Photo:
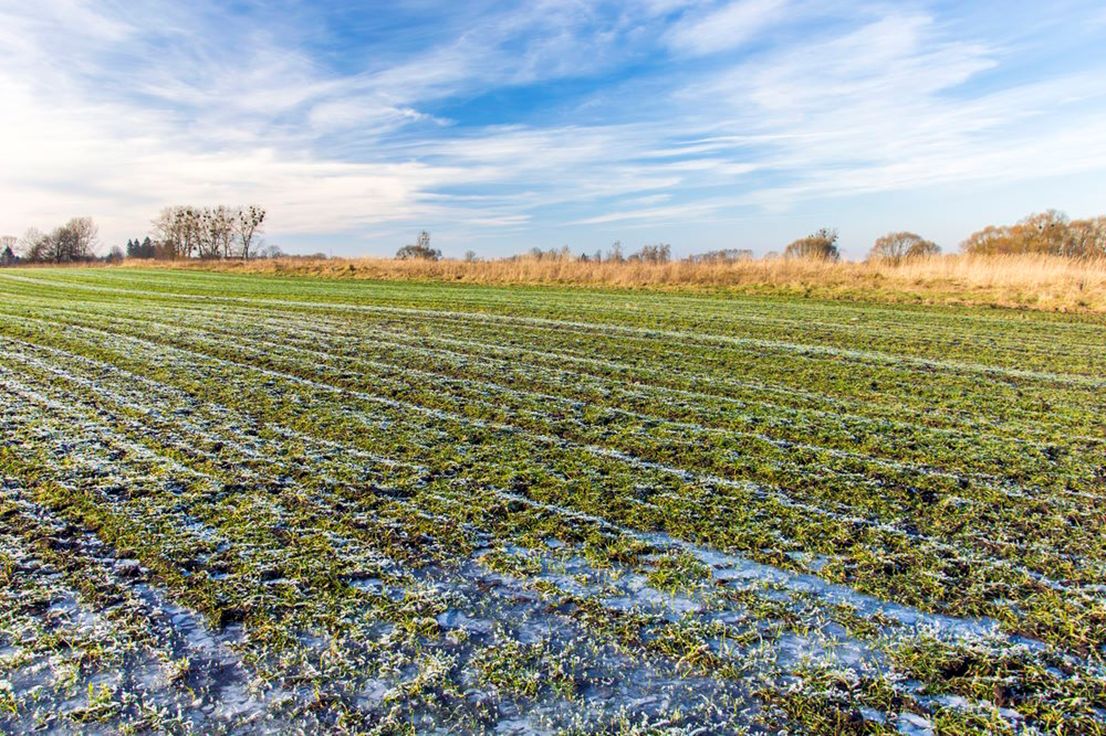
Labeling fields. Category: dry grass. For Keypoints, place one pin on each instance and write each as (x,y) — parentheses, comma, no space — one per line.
(1035,281)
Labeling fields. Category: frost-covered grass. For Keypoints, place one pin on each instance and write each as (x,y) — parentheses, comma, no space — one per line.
(246,504)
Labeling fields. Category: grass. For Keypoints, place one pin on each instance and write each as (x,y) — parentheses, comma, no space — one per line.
(393,507)
(1038,282)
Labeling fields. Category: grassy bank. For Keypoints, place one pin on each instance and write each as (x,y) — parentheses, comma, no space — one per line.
(1027,282)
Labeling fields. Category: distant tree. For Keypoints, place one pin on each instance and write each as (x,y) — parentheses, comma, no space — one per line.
(248,223)
(1088,237)
(470,256)
(8,256)
(659,253)
(221,222)
(902,246)
(1046,232)
(615,252)
(176,231)
(115,255)
(73,241)
(83,235)
(420,250)
(32,246)
(1049,232)
(207,232)
(821,245)
(726,255)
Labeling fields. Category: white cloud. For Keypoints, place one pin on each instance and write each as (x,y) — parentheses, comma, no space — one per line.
(883,107)
(725,28)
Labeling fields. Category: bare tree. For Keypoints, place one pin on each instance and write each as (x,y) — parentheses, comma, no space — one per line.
(420,250)
(901,246)
(73,241)
(208,232)
(32,245)
(188,227)
(821,245)
(169,229)
(248,223)
(1043,232)
(221,225)
(659,253)
(1088,237)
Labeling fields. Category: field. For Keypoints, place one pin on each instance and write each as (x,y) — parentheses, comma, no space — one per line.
(258,504)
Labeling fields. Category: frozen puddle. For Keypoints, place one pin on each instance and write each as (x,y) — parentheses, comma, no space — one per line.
(728,567)
(584,682)
(133,657)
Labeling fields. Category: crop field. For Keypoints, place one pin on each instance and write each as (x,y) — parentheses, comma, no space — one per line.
(254,504)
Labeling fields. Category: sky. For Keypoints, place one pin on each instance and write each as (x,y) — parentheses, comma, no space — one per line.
(502,126)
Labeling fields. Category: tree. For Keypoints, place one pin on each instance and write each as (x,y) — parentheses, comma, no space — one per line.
(725,255)
(1049,232)
(901,246)
(1088,237)
(73,241)
(659,253)
(420,250)
(221,221)
(32,245)
(470,256)
(248,224)
(170,226)
(8,256)
(1045,232)
(821,245)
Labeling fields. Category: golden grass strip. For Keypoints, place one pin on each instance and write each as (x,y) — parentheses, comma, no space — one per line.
(1020,281)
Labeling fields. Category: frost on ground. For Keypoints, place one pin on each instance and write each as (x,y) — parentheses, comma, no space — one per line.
(276,506)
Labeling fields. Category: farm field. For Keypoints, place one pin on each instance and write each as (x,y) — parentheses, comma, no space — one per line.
(254,504)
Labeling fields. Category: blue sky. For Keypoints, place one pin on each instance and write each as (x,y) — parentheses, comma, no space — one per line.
(503,126)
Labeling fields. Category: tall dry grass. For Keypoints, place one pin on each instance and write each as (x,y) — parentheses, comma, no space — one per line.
(1025,281)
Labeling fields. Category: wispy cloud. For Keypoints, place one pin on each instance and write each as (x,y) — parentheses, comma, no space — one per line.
(727,27)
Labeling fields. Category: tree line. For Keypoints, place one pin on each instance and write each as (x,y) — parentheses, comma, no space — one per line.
(179,232)
(207,232)
(75,241)
(185,232)
(1050,232)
